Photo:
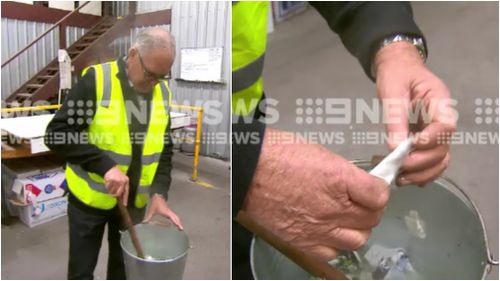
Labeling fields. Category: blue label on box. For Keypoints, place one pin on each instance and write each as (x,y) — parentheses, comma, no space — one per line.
(33,210)
(49,188)
(56,204)
(40,177)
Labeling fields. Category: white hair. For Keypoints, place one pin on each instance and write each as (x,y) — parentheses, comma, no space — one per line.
(154,38)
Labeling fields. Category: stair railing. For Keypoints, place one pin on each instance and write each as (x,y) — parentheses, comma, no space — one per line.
(62,34)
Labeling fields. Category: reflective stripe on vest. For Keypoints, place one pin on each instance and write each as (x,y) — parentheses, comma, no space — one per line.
(79,171)
(248,51)
(123,159)
(109,132)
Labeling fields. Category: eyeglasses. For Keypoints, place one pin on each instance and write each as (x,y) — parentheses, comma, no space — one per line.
(148,75)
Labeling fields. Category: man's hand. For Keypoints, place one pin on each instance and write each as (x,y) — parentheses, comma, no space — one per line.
(159,206)
(313,198)
(404,81)
(117,184)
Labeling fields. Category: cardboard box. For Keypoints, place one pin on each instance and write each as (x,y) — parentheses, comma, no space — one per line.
(33,215)
(39,188)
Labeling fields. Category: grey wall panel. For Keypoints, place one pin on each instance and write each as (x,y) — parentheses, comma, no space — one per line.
(16,34)
(151,6)
(198,25)
(120,8)
(201,25)
(73,34)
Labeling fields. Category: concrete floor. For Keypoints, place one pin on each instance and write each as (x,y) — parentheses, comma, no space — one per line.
(306,59)
(42,252)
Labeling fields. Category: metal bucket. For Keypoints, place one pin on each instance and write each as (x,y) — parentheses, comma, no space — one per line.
(166,246)
(455,245)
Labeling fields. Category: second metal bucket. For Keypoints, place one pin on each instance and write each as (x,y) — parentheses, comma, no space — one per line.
(165,249)
(454,246)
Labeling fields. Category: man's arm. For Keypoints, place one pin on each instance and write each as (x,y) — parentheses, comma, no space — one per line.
(162,180)
(400,75)
(363,25)
(80,103)
(161,185)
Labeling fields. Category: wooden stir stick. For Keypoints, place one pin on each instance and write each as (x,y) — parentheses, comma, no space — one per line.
(312,265)
(131,229)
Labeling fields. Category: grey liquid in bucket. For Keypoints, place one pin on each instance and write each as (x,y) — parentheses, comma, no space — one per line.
(165,249)
(437,230)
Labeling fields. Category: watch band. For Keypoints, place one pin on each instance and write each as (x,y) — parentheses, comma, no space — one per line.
(160,195)
(416,41)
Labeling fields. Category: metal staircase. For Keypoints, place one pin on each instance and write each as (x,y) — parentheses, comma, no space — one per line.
(91,48)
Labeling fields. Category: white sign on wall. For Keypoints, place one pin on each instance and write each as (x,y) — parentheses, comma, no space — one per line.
(201,64)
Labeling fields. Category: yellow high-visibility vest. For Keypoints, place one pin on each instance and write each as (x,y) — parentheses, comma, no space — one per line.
(109,131)
(248,50)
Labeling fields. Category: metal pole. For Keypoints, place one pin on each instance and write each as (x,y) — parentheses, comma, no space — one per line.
(197,145)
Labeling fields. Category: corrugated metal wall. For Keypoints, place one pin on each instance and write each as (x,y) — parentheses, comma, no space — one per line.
(201,25)
(151,6)
(196,25)
(16,34)
(120,8)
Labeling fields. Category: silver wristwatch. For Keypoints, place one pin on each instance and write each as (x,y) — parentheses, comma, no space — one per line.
(160,195)
(416,41)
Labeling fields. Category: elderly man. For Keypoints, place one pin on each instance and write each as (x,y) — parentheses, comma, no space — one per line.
(114,132)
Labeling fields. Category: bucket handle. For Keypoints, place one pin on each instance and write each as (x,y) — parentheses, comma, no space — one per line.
(492,261)
(161,223)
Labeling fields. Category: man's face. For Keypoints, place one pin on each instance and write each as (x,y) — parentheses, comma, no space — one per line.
(146,69)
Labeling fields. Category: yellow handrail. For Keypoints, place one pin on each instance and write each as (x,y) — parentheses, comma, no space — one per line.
(30,108)
(188,107)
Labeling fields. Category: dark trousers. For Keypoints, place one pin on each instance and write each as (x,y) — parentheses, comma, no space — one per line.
(86,230)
